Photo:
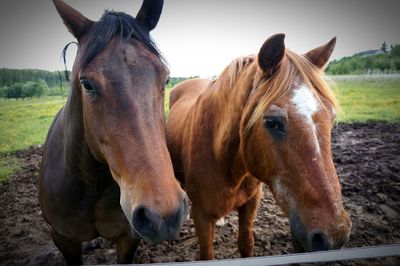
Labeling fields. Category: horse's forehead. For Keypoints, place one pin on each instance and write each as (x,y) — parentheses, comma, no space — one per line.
(304,102)
(135,53)
(306,105)
(123,50)
(131,54)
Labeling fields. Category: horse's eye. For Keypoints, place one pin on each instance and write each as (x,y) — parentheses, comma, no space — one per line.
(270,123)
(166,83)
(87,85)
(276,126)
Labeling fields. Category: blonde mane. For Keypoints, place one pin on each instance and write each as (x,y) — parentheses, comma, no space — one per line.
(275,88)
(236,66)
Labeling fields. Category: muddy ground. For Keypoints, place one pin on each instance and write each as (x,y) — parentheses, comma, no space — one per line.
(367,157)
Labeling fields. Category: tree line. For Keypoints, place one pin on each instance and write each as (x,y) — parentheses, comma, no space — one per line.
(375,61)
(28,83)
(21,90)
(10,76)
(175,80)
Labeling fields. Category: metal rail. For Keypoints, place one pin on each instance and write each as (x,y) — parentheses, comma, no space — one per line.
(311,257)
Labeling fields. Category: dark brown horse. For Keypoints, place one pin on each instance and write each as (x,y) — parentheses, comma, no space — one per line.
(267,118)
(106,148)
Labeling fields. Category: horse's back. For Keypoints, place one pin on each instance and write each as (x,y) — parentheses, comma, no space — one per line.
(187,90)
(182,99)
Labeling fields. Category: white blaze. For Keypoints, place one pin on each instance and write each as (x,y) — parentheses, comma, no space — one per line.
(307,105)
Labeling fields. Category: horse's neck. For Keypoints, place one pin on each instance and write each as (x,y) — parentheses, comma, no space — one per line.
(230,102)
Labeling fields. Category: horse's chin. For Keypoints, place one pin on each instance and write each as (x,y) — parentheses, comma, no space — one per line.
(156,237)
(297,246)
(298,233)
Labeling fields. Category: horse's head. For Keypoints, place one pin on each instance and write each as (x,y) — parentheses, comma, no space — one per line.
(286,142)
(119,78)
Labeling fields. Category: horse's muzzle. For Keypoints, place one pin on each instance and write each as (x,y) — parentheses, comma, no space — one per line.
(316,239)
(151,226)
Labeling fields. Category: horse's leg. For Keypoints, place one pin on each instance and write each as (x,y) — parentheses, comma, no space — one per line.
(126,248)
(205,233)
(247,213)
(70,249)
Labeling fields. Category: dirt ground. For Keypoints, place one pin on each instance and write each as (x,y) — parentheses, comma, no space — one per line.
(367,157)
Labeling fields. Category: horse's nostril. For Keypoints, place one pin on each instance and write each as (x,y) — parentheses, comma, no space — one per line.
(145,221)
(318,241)
(141,214)
(175,221)
(152,226)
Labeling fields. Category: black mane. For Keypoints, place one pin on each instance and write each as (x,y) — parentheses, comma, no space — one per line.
(116,24)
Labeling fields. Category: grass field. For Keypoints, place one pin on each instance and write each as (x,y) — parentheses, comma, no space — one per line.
(25,123)
(364,100)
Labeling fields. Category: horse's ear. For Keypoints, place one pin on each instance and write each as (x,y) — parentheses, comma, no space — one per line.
(271,53)
(150,13)
(320,56)
(75,21)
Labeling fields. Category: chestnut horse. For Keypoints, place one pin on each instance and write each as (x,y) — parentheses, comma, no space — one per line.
(106,169)
(267,118)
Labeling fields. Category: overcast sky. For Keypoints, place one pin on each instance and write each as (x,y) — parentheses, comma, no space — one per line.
(201,37)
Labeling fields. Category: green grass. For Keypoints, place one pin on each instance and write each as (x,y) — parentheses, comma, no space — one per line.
(166,102)
(363,100)
(25,122)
